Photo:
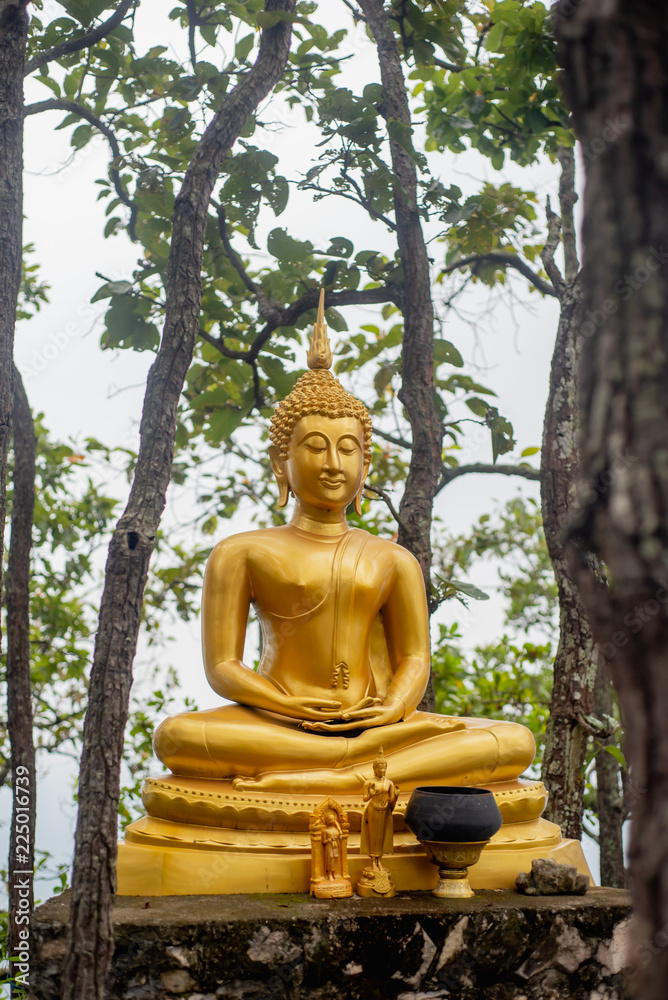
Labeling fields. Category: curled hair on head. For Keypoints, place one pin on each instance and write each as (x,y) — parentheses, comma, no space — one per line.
(317,392)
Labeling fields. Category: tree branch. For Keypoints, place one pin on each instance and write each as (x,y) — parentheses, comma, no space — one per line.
(83,42)
(192,24)
(401,442)
(589,830)
(288,316)
(233,257)
(504,260)
(525,471)
(567,199)
(384,497)
(547,254)
(73,107)
(360,200)
(448,65)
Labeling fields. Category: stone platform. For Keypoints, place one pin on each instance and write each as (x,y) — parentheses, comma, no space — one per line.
(496,946)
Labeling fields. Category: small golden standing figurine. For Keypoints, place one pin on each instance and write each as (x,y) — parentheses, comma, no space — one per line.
(380,795)
(329,829)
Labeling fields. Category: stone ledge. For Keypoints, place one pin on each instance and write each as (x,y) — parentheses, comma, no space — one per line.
(496,946)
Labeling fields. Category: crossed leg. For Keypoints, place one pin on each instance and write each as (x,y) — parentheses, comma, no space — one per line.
(264,752)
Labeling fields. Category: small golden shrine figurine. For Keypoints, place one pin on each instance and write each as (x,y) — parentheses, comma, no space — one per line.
(380,795)
(329,828)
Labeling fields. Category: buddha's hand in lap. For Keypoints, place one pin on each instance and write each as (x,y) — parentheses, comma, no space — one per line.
(314,709)
(362,717)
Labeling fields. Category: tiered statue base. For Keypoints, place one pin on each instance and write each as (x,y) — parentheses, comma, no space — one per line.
(201,836)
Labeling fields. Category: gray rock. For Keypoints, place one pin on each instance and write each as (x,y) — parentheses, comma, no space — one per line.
(549,878)
(497,945)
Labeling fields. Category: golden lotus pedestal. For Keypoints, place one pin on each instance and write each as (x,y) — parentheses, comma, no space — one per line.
(201,836)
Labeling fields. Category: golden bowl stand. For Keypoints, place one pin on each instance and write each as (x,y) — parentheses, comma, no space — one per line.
(453,861)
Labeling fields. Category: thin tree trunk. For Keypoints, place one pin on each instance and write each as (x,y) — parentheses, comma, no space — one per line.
(90,939)
(19,697)
(13,35)
(417,385)
(574,667)
(609,797)
(615,56)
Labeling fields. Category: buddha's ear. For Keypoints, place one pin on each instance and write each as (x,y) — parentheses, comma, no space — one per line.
(357,503)
(280,472)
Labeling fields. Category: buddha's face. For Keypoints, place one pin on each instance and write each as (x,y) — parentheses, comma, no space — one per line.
(325,466)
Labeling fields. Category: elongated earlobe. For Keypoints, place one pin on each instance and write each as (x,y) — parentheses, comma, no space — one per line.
(357,503)
(283,491)
(278,468)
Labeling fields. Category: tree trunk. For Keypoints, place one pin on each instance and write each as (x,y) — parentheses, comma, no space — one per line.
(90,940)
(13,35)
(19,704)
(574,667)
(615,55)
(417,386)
(609,800)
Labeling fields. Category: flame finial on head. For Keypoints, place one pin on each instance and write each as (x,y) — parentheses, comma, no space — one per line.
(319,352)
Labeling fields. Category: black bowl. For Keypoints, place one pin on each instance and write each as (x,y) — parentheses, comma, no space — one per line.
(453,815)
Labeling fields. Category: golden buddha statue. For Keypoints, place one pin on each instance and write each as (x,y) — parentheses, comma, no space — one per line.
(344,664)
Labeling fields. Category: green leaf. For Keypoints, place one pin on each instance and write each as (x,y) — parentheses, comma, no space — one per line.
(278,195)
(223,422)
(127,327)
(50,83)
(209,34)
(119,287)
(270,18)
(529,451)
(329,277)
(217,396)
(336,320)
(617,754)
(81,136)
(278,378)
(244,47)
(502,433)
(383,376)
(497,157)
(469,590)
(478,406)
(373,93)
(112,226)
(339,247)
(495,37)
(287,249)
(445,352)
